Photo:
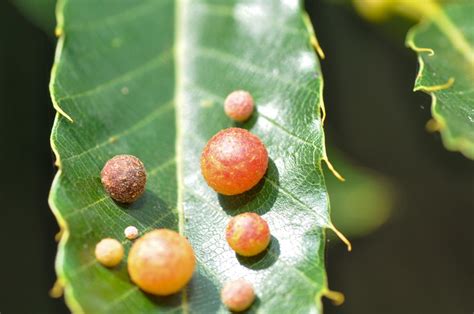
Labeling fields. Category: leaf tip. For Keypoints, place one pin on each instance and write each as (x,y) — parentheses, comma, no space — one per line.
(63,113)
(337,298)
(333,170)
(312,36)
(317,47)
(436,88)
(410,42)
(58,31)
(434,125)
(342,237)
(57,290)
(421,49)
(59,235)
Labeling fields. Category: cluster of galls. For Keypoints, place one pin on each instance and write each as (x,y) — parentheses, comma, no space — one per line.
(233,161)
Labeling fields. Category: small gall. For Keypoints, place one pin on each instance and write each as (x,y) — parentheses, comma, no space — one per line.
(131,232)
(234,161)
(161,262)
(239,105)
(124,178)
(109,252)
(237,295)
(248,234)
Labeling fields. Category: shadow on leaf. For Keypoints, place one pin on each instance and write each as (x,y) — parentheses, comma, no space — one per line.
(149,209)
(171,301)
(200,292)
(249,123)
(259,199)
(263,260)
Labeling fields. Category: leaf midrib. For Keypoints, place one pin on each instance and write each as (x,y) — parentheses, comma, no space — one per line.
(179,49)
(178,96)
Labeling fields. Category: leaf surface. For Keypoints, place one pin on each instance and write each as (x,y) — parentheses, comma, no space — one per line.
(444,43)
(148,78)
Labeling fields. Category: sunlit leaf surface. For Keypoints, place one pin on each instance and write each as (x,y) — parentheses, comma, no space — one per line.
(149,78)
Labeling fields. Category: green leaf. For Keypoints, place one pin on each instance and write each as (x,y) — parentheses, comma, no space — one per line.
(148,78)
(361,204)
(40,12)
(444,43)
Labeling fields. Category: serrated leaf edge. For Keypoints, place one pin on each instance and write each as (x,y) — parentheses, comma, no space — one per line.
(451,143)
(322,107)
(62,283)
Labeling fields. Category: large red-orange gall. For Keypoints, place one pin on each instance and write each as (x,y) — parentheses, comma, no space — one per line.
(248,234)
(234,161)
(161,262)
(239,105)
(237,295)
(124,178)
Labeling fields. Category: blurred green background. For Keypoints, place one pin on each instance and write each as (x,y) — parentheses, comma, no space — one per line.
(407,204)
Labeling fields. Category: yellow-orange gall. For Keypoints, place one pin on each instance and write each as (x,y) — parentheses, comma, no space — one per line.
(161,262)
(124,178)
(234,161)
(237,295)
(239,105)
(109,252)
(248,234)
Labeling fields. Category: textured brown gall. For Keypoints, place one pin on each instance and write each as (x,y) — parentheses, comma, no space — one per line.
(124,178)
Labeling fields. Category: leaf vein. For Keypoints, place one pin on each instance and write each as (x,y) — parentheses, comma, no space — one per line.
(93,261)
(152,173)
(248,66)
(136,126)
(129,14)
(125,77)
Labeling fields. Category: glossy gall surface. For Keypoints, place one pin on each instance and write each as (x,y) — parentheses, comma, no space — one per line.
(237,295)
(234,161)
(109,252)
(248,234)
(161,262)
(239,105)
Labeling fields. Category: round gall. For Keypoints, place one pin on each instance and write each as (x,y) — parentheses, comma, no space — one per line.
(131,232)
(248,234)
(161,262)
(239,105)
(237,295)
(234,161)
(124,178)
(109,252)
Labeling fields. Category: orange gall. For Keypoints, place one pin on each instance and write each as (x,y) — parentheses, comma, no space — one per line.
(248,234)
(237,295)
(161,262)
(239,105)
(109,252)
(234,161)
